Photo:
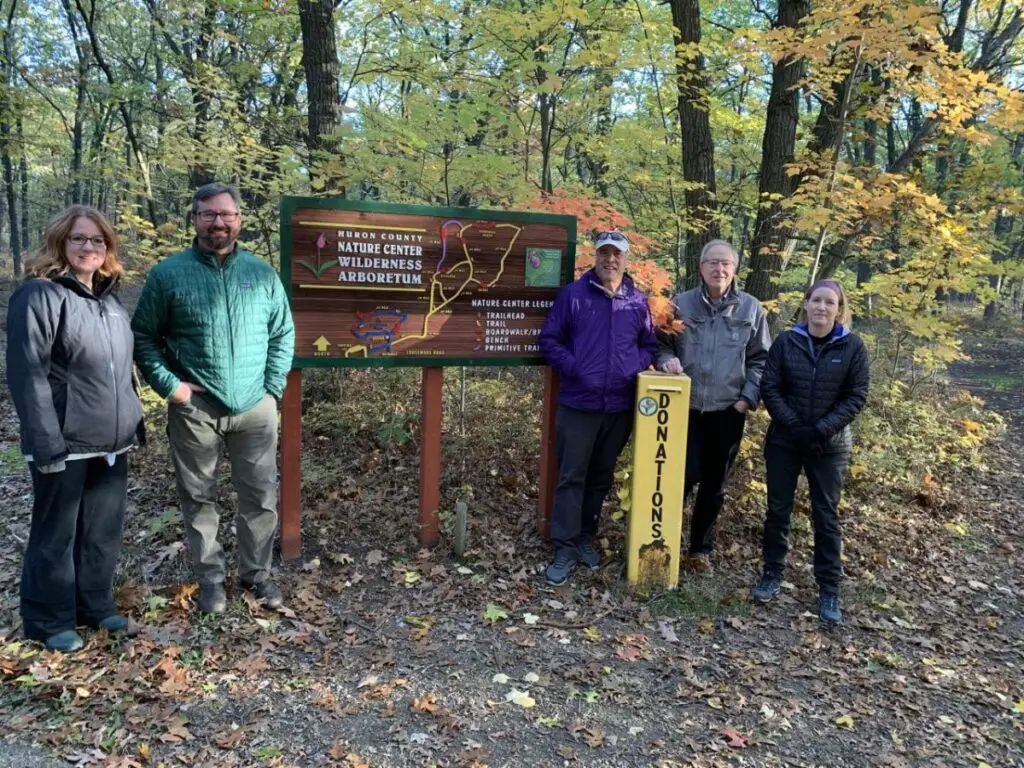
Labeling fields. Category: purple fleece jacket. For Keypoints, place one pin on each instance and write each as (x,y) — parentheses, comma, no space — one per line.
(598,344)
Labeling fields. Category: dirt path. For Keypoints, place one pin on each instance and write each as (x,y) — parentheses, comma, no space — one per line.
(392,657)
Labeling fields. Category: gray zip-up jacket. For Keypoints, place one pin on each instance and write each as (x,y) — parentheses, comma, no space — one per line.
(723,348)
(69,369)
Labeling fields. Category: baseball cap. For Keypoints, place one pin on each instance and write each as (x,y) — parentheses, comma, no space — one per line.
(612,238)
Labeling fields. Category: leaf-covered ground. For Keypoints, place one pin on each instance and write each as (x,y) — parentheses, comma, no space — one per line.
(391,656)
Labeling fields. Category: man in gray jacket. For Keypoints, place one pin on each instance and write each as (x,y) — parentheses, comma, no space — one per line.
(723,348)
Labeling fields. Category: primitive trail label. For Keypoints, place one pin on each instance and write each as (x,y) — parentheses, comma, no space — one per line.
(659,459)
(375,284)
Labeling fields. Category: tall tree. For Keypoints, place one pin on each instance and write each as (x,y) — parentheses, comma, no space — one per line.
(698,148)
(773,228)
(6,134)
(320,62)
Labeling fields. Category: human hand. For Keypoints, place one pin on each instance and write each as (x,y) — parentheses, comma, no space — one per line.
(672,366)
(184,392)
(804,435)
(742,406)
(53,468)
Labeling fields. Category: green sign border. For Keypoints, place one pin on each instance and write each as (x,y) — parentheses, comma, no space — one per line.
(288,206)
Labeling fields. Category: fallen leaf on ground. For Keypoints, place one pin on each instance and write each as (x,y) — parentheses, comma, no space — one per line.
(734,738)
(427,703)
(845,722)
(521,698)
(530,618)
(501,678)
(495,613)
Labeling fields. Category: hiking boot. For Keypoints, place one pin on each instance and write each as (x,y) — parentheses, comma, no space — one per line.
(558,572)
(212,598)
(828,607)
(67,641)
(768,587)
(115,625)
(265,591)
(589,556)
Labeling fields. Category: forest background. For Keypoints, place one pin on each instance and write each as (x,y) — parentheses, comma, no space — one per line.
(881,144)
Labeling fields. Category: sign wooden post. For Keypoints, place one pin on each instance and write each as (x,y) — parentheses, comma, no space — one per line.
(374,284)
(431,412)
(291,467)
(548,477)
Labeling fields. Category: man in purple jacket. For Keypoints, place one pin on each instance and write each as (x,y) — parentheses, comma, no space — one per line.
(598,336)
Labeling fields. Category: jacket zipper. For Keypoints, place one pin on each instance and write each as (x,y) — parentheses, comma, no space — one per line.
(227,310)
(610,355)
(113,373)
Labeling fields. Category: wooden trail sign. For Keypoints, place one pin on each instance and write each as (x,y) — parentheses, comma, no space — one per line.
(376,284)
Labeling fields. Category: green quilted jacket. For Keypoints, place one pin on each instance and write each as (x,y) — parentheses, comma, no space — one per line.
(227,328)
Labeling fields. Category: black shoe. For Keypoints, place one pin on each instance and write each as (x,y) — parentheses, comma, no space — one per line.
(212,597)
(589,556)
(267,592)
(828,607)
(558,572)
(768,587)
(67,641)
(115,624)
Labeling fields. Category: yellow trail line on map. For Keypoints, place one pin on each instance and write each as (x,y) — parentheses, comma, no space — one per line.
(435,283)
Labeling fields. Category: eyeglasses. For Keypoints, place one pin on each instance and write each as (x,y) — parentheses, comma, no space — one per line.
(613,235)
(211,216)
(79,241)
(719,262)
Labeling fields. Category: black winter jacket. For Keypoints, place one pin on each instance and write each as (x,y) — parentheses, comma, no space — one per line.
(69,369)
(826,393)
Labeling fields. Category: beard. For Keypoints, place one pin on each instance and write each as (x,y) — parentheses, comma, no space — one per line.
(217,239)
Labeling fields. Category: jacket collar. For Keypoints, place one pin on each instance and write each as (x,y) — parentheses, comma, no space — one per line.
(839,332)
(101,285)
(729,297)
(627,289)
(211,258)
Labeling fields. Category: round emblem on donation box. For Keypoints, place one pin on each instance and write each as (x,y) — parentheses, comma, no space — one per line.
(647,406)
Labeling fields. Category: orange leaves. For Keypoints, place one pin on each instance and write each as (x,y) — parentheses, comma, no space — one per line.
(175,677)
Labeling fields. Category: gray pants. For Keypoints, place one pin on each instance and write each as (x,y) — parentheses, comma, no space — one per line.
(197,430)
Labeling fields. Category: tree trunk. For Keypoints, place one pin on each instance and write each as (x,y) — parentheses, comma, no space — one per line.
(1003,227)
(698,149)
(320,62)
(771,231)
(6,141)
(23,174)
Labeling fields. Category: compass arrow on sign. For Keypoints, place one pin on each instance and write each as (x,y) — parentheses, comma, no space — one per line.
(321,345)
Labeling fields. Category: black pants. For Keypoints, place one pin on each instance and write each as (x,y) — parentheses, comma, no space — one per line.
(77,526)
(712,443)
(825,479)
(589,443)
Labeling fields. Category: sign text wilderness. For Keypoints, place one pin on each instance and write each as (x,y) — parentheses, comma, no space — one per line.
(377,284)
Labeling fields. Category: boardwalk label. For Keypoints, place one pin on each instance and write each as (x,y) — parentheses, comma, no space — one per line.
(374,284)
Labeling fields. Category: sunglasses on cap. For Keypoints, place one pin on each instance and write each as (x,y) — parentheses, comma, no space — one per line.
(612,235)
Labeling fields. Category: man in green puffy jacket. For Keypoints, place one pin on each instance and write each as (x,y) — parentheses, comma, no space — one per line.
(214,335)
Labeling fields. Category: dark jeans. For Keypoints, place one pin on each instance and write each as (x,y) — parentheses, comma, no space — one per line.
(77,526)
(712,442)
(825,479)
(589,442)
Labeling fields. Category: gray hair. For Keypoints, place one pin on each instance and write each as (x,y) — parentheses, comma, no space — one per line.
(213,189)
(720,244)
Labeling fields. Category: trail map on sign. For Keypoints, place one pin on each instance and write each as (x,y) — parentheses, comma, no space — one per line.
(416,286)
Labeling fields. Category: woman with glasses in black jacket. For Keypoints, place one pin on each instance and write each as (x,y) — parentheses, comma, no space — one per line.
(814,385)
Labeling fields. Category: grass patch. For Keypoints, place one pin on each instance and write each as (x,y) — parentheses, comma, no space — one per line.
(699,596)
(12,462)
(999,380)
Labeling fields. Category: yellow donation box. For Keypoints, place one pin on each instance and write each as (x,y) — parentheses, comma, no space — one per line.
(659,467)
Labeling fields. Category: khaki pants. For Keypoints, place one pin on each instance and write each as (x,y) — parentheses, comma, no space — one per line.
(197,431)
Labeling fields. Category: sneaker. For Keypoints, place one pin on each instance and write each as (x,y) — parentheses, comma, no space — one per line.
(67,641)
(212,598)
(265,591)
(558,572)
(589,556)
(768,587)
(828,607)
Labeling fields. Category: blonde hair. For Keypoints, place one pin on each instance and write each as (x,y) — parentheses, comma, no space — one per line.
(49,260)
(843,318)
